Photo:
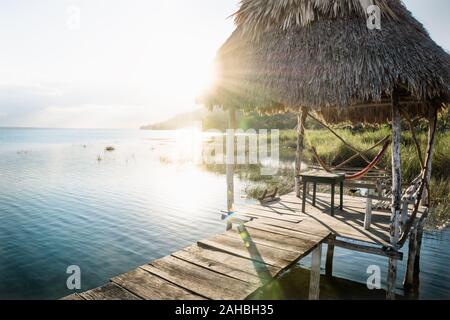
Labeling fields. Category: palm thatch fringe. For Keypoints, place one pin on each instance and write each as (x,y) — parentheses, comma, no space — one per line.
(257,16)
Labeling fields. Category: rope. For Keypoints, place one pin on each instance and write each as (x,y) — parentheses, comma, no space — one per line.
(362,172)
(340,138)
(371,165)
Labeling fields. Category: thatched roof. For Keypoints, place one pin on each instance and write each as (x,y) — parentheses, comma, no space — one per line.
(320,54)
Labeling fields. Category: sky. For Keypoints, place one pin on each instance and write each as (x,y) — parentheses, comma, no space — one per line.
(122,63)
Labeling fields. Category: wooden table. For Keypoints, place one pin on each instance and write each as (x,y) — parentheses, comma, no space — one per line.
(323,177)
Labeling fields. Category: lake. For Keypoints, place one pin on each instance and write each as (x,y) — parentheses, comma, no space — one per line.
(66,201)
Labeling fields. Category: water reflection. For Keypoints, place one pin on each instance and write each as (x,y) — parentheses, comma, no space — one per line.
(60,206)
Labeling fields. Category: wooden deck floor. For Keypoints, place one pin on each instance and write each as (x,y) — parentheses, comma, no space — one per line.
(235,264)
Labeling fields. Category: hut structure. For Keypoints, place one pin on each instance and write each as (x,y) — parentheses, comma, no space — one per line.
(364,61)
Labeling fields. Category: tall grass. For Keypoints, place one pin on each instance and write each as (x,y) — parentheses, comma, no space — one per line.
(333,152)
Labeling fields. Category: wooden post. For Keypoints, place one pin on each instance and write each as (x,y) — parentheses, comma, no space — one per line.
(412,277)
(314,194)
(301,120)
(424,175)
(404,217)
(432,119)
(230,162)
(412,251)
(305,186)
(379,189)
(396,193)
(333,192)
(330,257)
(416,274)
(368,216)
(314,282)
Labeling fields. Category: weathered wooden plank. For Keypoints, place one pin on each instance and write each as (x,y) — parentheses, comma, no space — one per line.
(250,250)
(274,240)
(280,210)
(273,222)
(109,291)
(202,281)
(73,297)
(150,287)
(297,233)
(229,265)
(366,249)
(268,214)
(345,228)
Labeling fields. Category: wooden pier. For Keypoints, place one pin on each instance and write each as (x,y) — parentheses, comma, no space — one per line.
(237,263)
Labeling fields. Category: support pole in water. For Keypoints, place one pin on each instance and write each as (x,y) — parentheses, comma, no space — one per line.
(396,193)
(314,282)
(330,257)
(412,276)
(230,145)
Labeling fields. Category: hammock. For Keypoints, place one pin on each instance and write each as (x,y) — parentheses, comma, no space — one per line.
(364,171)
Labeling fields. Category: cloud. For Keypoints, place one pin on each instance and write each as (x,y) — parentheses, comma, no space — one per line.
(93,116)
(85,107)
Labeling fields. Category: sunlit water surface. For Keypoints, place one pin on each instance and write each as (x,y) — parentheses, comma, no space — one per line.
(65,201)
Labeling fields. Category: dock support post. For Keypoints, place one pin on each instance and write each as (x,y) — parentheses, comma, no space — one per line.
(230,162)
(396,193)
(416,283)
(330,257)
(404,217)
(300,146)
(412,277)
(314,282)
(411,283)
(408,283)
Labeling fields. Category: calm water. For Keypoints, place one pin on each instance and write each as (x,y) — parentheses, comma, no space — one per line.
(65,201)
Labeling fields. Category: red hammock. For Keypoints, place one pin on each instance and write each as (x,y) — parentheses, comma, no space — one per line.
(364,171)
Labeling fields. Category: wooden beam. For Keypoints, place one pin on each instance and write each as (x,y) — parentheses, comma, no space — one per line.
(301,121)
(396,192)
(314,283)
(379,251)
